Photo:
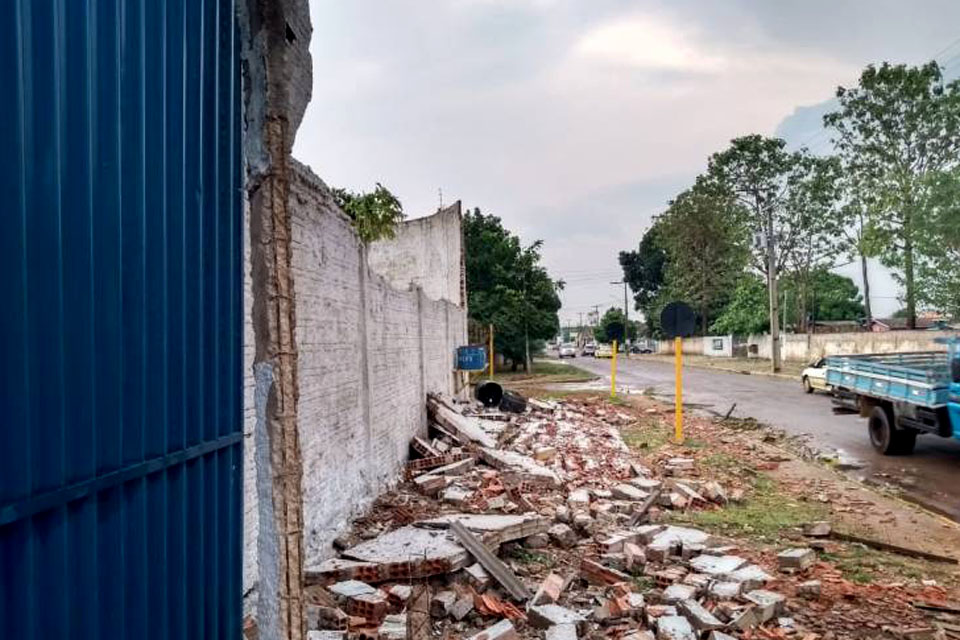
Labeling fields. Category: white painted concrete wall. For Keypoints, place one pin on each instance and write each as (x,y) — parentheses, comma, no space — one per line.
(427,253)
(718,346)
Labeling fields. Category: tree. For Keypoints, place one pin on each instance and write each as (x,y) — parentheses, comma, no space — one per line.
(375,215)
(785,195)
(938,272)
(507,287)
(895,130)
(611,326)
(644,268)
(829,296)
(704,235)
(746,312)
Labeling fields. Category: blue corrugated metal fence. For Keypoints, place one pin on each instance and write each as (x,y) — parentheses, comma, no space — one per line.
(120,320)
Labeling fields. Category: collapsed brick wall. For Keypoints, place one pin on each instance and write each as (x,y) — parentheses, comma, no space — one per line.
(367,355)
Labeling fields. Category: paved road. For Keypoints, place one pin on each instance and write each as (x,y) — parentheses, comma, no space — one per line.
(930,476)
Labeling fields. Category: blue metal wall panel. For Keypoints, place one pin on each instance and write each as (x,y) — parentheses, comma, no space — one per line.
(120,332)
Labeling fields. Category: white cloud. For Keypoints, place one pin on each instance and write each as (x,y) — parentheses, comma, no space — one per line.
(648,42)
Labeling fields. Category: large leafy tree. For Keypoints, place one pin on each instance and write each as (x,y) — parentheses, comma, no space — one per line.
(704,235)
(746,312)
(507,287)
(611,326)
(375,214)
(645,273)
(785,195)
(821,295)
(895,130)
(938,271)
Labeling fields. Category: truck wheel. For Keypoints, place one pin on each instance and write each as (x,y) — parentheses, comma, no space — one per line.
(807,387)
(886,438)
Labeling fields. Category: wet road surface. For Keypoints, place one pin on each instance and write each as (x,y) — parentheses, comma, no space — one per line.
(931,476)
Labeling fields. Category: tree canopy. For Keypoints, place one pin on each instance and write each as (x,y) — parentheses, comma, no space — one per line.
(895,131)
(611,326)
(507,287)
(375,214)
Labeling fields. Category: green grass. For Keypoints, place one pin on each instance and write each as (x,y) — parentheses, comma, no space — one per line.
(545,371)
(647,435)
(527,557)
(722,462)
(864,565)
(764,514)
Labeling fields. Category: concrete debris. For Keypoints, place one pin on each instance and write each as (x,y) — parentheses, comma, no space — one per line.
(543,616)
(809,589)
(768,604)
(701,619)
(675,628)
(326,634)
(817,529)
(717,565)
(562,632)
(394,627)
(491,505)
(796,559)
(563,535)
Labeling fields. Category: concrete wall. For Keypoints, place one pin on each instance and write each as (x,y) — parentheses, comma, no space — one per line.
(718,346)
(368,353)
(427,253)
(691,346)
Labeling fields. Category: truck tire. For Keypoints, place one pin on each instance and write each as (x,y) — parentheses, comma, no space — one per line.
(885,437)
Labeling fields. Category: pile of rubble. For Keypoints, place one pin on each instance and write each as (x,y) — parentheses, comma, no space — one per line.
(542,525)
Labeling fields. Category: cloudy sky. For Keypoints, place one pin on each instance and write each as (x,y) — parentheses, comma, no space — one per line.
(576,120)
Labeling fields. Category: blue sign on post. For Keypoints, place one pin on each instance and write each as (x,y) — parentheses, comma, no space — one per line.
(471,357)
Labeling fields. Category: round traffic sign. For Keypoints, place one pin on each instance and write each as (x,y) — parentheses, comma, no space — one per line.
(678,320)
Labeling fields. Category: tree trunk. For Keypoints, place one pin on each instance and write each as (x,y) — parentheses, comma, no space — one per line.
(774,302)
(526,347)
(866,289)
(908,281)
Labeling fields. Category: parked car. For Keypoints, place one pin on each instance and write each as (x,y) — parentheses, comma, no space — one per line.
(604,351)
(814,377)
(568,350)
(590,349)
(641,348)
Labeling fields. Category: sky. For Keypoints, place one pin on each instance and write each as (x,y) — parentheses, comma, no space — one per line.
(575,121)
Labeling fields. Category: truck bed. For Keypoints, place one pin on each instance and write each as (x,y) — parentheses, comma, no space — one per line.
(921,378)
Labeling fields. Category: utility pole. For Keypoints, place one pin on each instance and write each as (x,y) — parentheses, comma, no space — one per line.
(626,317)
(774,297)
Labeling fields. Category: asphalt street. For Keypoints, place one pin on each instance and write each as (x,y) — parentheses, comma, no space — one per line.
(931,476)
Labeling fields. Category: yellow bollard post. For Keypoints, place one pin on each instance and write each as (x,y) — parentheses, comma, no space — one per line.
(678,408)
(613,371)
(491,354)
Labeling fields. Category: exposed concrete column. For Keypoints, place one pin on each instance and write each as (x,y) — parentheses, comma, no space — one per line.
(277,80)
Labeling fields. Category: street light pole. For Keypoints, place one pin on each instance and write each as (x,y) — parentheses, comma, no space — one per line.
(626,317)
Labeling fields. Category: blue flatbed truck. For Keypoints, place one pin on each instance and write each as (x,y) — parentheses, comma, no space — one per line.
(902,395)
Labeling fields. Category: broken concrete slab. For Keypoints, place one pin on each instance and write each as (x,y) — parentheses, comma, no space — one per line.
(503,630)
(646,484)
(717,565)
(455,468)
(750,577)
(544,616)
(562,632)
(500,572)
(701,619)
(394,627)
(411,552)
(677,593)
(528,468)
(466,428)
(350,589)
(326,634)
(477,577)
(544,454)
(578,498)
(429,484)
(678,536)
(674,628)
(768,604)
(628,492)
(724,590)
(456,495)
(796,559)
(461,608)
(493,529)
(820,529)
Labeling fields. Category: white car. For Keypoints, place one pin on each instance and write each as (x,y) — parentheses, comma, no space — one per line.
(814,377)
(568,350)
